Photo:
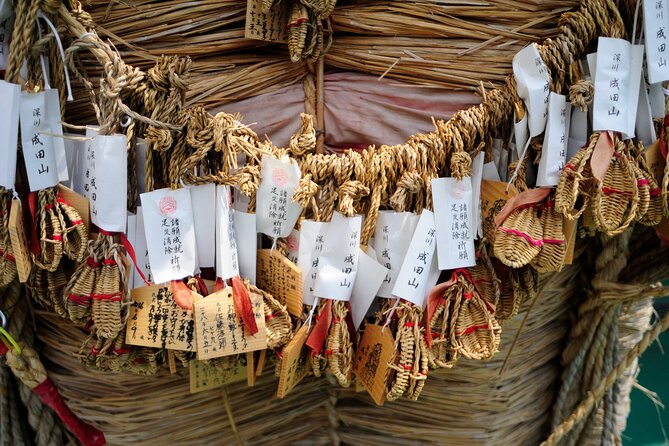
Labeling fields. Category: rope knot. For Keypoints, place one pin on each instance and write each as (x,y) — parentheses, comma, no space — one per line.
(305,139)
(349,193)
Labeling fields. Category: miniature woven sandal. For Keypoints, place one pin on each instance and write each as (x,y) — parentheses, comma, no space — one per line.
(554,247)
(518,239)
(107,300)
(7,262)
(298,28)
(75,232)
(574,182)
(474,333)
(339,346)
(56,282)
(441,353)
(484,277)
(616,199)
(38,287)
(654,213)
(421,366)
(509,302)
(406,351)
(80,286)
(277,320)
(49,231)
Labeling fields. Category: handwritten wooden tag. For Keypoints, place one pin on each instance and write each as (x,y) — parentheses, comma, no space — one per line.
(294,362)
(207,375)
(375,352)
(155,320)
(281,278)
(17,235)
(78,202)
(269,26)
(655,161)
(219,330)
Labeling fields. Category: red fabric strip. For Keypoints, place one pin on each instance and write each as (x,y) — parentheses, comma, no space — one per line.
(34,241)
(243,305)
(472,329)
(317,336)
(87,434)
(532,241)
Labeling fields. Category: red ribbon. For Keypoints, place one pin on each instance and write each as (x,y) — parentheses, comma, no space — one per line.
(130,250)
(243,305)
(183,295)
(34,241)
(87,434)
(318,334)
(661,140)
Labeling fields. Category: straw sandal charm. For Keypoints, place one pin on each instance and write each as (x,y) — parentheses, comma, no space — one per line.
(554,248)
(277,320)
(48,230)
(411,360)
(75,232)
(81,285)
(7,262)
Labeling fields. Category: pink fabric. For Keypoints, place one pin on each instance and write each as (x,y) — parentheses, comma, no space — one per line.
(359,110)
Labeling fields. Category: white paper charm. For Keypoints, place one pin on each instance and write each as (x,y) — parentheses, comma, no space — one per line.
(312,238)
(453,212)
(578,131)
(533,86)
(419,271)
(477,176)
(656,27)
(107,182)
(9,132)
(391,239)
(227,264)
(53,119)
(141,252)
(554,149)
(203,199)
(656,98)
(131,234)
(520,132)
(293,246)
(338,262)
(644,127)
(170,235)
(364,289)
(617,80)
(276,211)
(490,172)
(247,244)
(38,152)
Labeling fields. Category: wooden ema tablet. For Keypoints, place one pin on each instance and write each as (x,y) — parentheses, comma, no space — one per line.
(269,26)
(17,236)
(569,231)
(219,330)
(207,375)
(493,198)
(372,358)
(281,278)
(78,202)
(155,320)
(294,362)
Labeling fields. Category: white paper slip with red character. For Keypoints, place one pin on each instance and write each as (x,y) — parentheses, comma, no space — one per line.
(391,239)
(533,86)
(37,144)
(554,150)
(419,271)
(170,236)
(338,262)
(203,199)
(293,246)
(312,238)
(275,209)
(9,132)
(108,187)
(227,264)
(453,210)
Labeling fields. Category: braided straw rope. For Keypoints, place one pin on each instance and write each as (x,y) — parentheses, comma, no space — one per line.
(7,264)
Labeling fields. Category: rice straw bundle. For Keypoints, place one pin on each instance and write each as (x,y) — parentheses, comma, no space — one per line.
(455,46)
